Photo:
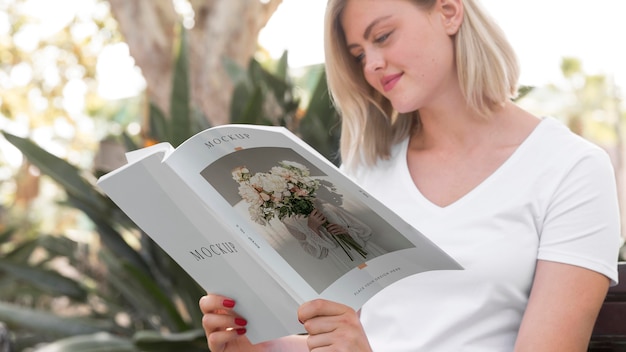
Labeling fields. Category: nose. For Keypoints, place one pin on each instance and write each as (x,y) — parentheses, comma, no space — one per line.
(374,61)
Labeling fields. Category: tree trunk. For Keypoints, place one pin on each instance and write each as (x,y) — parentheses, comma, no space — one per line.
(223,28)
(148,29)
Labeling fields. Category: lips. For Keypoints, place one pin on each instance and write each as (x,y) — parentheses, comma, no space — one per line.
(389,81)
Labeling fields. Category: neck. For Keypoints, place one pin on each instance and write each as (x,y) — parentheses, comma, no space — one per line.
(459,128)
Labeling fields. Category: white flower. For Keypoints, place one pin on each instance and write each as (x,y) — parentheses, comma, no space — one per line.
(249,194)
(256,214)
(272,183)
(281,171)
(241,173)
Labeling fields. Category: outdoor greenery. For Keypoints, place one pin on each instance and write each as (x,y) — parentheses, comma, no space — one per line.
(122,290)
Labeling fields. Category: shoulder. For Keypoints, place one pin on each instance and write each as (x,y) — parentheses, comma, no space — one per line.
(555,146)
(555,134)
(555,161)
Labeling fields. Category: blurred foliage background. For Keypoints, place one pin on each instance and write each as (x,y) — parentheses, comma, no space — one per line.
(75,273)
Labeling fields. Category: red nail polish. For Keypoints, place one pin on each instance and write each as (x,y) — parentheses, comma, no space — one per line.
(241,321)
(228,303)
(241,331)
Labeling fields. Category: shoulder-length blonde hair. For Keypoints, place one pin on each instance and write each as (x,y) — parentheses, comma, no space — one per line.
(487,69)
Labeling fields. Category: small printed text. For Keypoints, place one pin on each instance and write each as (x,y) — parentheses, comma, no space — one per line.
(374,280)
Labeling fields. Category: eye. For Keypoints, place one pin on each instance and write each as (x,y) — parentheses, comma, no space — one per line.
(382,38)
(359,58)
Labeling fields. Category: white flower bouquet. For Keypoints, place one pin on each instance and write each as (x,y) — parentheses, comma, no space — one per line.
(286,190)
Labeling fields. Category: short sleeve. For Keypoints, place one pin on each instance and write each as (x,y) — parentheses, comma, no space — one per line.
(582,222)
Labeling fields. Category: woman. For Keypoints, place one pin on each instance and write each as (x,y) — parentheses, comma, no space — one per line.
(525,206)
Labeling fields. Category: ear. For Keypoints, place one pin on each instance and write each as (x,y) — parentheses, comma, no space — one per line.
(451,15)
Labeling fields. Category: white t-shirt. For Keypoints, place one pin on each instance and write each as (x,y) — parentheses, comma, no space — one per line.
(554,199)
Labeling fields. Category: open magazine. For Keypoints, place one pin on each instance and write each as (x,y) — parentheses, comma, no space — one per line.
(254,213)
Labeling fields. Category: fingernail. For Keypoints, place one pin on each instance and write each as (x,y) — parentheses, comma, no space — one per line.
(228,303)
(241,321)
(241,331)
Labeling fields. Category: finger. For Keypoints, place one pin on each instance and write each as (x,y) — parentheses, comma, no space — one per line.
(217,341)
(212,322)
(336,229)
(212,303)
(320,307)
(318,342)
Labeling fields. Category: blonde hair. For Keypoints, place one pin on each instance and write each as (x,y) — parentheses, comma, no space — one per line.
(487,69)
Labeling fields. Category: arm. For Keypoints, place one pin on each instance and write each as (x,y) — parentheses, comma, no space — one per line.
(562,309)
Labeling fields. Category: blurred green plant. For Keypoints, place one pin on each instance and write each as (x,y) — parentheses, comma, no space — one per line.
(262,97)
(131,279)
(122,292)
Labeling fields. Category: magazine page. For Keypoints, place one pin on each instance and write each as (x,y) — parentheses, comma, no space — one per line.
(168,211)
(311,227)
(163,148)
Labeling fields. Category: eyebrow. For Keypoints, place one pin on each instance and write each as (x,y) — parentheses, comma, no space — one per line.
(368,29)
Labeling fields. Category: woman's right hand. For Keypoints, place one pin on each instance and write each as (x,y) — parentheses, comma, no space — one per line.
(225,330)
(316,219)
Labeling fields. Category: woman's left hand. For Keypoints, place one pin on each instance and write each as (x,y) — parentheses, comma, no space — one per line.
(336,229)
(332,327)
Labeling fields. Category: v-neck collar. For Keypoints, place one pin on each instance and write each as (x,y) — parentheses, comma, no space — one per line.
(408,183)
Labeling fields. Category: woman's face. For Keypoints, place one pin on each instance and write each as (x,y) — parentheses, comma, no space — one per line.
(406,52)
